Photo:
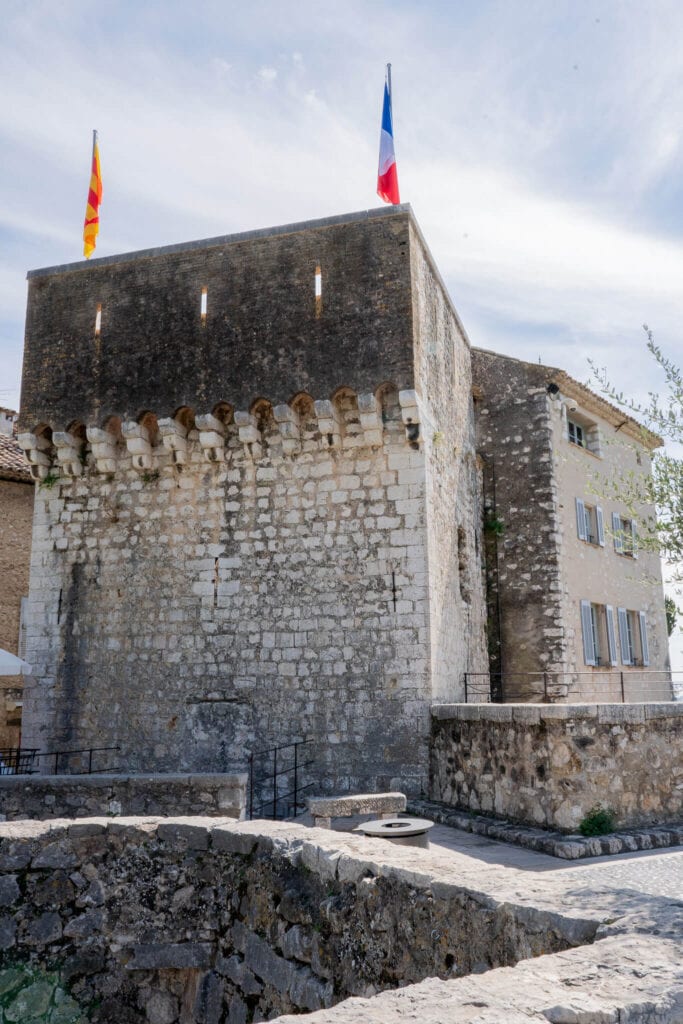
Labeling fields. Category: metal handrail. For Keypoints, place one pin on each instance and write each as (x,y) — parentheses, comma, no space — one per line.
(657,685)
(271,776)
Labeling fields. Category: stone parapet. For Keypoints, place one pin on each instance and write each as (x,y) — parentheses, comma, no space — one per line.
(212,921)
(43,797)
(243,921)
(549,765)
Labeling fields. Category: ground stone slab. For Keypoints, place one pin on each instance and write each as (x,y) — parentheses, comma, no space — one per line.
(556,844)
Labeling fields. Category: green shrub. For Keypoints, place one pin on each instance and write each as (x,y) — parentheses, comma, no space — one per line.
(597,822)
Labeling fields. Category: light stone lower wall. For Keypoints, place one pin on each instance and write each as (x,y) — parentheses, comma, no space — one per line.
(457,605)
(42,797)
(549,765)
(193,615)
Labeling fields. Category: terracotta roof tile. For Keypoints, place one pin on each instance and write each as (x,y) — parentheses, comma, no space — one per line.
(13,463)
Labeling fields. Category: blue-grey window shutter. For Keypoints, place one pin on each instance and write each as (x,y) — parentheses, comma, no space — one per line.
(587,630)
(644,646)
(611,635)
(581,519)
(623,636)
(601,526)
(618,536)
(634,538)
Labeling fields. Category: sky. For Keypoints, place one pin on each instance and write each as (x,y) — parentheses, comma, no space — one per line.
(538,142)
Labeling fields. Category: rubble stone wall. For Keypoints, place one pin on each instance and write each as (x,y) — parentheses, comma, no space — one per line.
(148,922)
(522,522)
(550,765)
(42,797)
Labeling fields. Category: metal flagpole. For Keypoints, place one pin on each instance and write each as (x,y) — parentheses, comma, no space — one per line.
(389,78)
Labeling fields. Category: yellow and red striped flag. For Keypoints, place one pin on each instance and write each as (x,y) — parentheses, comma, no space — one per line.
(91,225)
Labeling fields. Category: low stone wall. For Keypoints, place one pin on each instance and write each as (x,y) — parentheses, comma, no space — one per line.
(40,797)
(548,765)
(210,922)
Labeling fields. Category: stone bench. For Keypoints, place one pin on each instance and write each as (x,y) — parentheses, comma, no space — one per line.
(324,808)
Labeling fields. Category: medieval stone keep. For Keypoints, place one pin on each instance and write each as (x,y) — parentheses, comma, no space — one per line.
(266,499)
(258,515)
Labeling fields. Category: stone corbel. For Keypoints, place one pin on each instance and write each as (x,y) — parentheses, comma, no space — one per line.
(410,413)
(211,436)
(290,431)
(249,434)
(103,446)
(370,417)
(174,439)
(139,446)
(69,448)
(36,448)
(329,424)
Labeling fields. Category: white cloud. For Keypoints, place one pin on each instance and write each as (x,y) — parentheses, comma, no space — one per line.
(267,74)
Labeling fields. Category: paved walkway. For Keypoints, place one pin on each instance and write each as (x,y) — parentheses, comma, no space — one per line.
(476,860)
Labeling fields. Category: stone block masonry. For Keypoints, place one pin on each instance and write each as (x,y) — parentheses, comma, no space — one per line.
(251,538)
(206,922)
(43,797)
(549,765)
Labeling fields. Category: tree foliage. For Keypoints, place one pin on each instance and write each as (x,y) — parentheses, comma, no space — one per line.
(661,414)
(671,614)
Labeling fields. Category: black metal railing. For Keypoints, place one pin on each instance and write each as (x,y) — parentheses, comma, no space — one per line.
(273,770)
(30,761)
(18,760)
(602,686)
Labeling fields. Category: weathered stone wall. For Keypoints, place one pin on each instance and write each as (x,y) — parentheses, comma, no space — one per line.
(514,434)
(209,589)
(263,333)
(43,797)
(196,921)
(549,765)
(194,616)
(16,516)
(453,487)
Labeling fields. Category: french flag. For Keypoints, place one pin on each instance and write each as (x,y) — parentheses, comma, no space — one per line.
(387,176)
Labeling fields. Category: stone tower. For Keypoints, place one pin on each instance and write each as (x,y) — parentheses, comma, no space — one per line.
(257,516)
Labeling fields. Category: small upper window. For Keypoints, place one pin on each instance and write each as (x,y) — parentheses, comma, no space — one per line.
(582,431)
(576,433)
(590,523)
(625,534)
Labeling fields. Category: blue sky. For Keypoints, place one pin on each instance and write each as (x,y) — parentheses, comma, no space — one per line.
(538,141)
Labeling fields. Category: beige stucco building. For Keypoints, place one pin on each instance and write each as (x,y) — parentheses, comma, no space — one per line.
(16,514)
(576,604)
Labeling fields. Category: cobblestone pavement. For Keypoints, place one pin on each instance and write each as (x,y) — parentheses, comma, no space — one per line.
(655,872)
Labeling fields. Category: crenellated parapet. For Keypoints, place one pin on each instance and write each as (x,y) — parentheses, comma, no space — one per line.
(154,442)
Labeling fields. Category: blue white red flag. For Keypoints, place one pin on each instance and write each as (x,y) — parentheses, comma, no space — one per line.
(387,176)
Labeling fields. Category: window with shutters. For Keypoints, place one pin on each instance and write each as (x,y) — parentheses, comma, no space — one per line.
(590,523)
(633,640)
(625,534)
(597,626)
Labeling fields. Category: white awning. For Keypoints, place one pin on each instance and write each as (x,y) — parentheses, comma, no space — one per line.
(10,665)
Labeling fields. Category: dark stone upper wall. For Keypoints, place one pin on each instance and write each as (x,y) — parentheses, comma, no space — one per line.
(262,336)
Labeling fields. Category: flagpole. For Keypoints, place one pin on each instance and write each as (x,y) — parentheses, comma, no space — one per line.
(389,77)
(94,140)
